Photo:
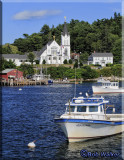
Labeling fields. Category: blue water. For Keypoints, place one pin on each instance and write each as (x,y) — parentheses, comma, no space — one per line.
(28,115)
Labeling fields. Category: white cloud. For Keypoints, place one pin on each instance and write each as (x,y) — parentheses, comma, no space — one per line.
(26,15)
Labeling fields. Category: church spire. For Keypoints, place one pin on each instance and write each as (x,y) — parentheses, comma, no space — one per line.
(65,30)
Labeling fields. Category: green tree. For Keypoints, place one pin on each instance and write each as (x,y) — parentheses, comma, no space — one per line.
(46,34)
(106,72)
(117,70)
(31,57)
(70,61)
(65,61)
(117,51)
(84,57)
(76,64)
(89,73)
(6,64)
(9,49)
(44,62)
(26,69)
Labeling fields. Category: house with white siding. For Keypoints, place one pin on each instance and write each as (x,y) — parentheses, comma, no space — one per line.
(16,58)
(100,59)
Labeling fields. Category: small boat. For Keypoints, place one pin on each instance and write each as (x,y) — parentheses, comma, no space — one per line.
(85,118)
(50,81)
(105,86)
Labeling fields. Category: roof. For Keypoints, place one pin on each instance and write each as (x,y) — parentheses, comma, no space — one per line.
(102,55)
(7,70)
(14,56)
(38,53)
(65,30)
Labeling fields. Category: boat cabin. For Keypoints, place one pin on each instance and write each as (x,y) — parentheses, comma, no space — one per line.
(111,84)
(108,84)
(86,106)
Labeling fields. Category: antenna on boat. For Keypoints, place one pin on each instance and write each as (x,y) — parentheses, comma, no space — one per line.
(69,107)
(75,84)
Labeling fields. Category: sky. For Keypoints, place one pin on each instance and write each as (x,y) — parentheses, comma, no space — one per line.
(19,16)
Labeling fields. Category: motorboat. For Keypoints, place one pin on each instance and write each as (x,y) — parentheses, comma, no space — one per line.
(85,118)
(105,86)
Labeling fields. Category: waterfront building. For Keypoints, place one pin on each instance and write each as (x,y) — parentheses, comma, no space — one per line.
(11,74)
(100,59)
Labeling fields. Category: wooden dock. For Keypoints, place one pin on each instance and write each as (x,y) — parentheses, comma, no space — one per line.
(25,82)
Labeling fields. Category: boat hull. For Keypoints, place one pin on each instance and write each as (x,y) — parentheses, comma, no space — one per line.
(101,90)
(82,130)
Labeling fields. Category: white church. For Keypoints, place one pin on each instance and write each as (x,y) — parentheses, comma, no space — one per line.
(53,53)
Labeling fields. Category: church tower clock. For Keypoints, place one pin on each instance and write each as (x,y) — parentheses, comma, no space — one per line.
(65,42)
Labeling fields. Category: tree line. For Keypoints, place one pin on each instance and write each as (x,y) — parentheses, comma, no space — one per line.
(103,35)
(85,72)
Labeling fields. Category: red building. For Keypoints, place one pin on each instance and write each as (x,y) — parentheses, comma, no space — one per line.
(11,74)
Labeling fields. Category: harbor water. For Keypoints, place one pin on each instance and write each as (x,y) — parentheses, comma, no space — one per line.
(28,115)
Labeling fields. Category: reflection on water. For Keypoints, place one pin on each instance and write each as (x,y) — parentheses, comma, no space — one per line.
(108,144)
(28,115)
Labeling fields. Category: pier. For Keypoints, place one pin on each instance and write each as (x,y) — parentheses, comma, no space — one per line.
(12,82)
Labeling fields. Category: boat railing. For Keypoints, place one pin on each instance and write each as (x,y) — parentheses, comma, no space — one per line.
(85,116)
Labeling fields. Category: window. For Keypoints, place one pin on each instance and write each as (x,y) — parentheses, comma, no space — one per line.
(54,58)
(93,108)
(81,109)
(72,108)
(65,42)
(65,51)
(101,108)
(54,51)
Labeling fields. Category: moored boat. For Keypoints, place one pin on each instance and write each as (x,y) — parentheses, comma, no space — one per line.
(85,118)
(105,86)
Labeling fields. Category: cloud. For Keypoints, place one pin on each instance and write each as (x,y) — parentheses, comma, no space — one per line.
(27,15)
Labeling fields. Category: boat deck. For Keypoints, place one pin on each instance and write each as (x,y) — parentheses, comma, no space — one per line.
(108,117)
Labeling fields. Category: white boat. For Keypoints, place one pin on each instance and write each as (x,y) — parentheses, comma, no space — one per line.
(105,86)
(86,118)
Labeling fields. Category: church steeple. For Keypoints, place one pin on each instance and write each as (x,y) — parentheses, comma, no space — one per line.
(65,42)
(65,30)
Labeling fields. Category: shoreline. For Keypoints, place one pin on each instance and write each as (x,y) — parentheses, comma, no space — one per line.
(26,82)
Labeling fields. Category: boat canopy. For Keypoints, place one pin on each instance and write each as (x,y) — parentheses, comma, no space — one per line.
(81,101)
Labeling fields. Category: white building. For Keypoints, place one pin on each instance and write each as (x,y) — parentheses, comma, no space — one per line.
(16,58)
(100,59)
(53,53)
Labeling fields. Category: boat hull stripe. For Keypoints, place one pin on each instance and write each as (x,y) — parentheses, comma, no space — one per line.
(93,137)
(88,121)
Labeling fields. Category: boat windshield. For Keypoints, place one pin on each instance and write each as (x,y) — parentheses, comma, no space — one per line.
(72,108)
(106,84)
(81,109)
(115,84)
(93,108)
